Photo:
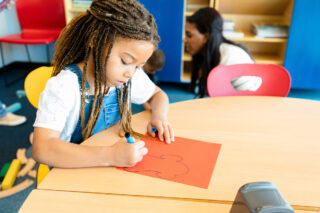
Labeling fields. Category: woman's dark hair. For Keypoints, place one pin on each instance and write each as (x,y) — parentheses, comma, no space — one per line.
(207,20)
(101,24)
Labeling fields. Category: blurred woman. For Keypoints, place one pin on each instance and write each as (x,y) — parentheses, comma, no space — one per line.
(209,48)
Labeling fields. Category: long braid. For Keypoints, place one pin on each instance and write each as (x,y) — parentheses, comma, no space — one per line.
(100,25)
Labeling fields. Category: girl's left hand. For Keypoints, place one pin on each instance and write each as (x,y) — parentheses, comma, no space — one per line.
(164,129)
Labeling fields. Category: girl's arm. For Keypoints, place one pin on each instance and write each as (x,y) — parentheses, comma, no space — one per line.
(48,149)
(159,106)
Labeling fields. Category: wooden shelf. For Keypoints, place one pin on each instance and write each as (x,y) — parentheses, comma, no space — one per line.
(250,37)
(77,10)
(259,7)
(261,58)
(186,77)
(189,12)
(186,57)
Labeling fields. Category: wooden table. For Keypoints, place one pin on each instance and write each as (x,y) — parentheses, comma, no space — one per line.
(48,201)
(40,201)
(263,139)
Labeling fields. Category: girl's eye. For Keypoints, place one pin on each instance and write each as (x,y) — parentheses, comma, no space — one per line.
(124,62)
(188,35)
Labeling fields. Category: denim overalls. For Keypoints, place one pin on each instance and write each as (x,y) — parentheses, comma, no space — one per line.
(109,114)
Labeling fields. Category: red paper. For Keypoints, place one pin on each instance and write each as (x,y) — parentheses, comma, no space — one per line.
(184,161)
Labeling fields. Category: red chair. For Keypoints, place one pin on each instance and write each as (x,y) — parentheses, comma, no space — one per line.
(276,80)
(41,22)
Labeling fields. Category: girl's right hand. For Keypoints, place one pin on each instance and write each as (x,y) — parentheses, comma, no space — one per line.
(126,154)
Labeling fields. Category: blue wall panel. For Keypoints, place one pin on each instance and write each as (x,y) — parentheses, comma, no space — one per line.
(169,18)
(303,50)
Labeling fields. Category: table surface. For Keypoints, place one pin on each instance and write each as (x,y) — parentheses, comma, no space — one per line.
(263,139)
(62,201)
(48,201)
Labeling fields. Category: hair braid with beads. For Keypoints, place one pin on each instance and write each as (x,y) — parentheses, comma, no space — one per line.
(107,19)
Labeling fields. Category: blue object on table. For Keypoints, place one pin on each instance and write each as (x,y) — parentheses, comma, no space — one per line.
(153,129)
(13,107)
(129,137)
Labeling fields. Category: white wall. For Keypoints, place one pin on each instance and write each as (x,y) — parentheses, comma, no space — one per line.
(9,24)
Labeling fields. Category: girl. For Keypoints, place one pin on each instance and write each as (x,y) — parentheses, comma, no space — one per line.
(209,48)
(96,76)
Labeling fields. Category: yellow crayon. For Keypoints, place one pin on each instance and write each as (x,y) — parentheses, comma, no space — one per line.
(11,175)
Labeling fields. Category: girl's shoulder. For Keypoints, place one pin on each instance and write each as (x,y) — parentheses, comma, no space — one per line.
(232,54)
(65,79)
(65,84)
(230,48)
(67,75)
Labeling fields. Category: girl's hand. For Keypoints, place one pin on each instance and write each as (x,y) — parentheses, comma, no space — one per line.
(124,154)
(164,129)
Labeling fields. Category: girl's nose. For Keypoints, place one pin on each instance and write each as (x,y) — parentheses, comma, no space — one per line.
(129,73)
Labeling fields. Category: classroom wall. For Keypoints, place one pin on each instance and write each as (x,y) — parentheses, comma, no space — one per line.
(9,24)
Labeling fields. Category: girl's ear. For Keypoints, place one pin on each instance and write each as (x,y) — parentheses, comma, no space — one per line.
(206,37)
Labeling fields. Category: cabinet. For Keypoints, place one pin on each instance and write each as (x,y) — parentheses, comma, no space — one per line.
(302,57)
(244,13)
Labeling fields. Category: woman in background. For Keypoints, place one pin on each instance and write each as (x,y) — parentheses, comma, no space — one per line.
(209,48)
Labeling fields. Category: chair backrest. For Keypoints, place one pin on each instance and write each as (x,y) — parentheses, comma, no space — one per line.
(33,86)
(41,14)
(276,80)
(35,83)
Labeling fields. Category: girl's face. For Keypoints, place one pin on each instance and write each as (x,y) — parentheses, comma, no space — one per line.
(194,40)
(126,56)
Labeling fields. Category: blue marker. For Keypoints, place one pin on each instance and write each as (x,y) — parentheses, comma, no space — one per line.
(129,137)
(154,129)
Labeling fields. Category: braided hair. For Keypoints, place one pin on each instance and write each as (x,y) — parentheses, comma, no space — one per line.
(101,24)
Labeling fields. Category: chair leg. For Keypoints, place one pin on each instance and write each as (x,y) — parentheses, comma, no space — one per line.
(4,69)
(28,53)
(48,54)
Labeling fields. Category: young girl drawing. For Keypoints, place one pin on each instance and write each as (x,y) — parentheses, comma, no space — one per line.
(97,73)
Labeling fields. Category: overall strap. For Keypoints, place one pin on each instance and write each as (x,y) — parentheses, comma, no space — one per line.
(76,70)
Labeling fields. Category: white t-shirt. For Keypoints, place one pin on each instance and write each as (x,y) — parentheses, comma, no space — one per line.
(59,103)
(232,54)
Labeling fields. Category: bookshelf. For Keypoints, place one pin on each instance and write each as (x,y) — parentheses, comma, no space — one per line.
(244,13)
(71,11)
